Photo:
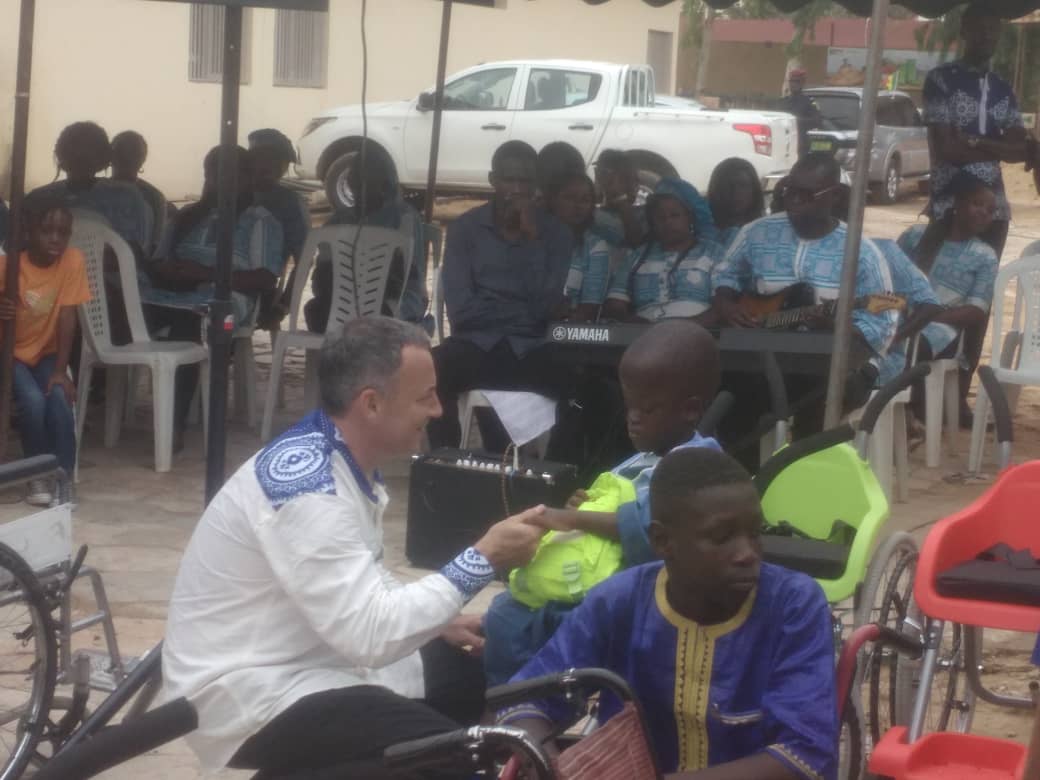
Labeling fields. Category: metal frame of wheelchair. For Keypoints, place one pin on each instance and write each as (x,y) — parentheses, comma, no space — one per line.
(43,542)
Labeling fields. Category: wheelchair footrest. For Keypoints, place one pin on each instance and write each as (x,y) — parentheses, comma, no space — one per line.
(102,676)
(946,756)
(821,560)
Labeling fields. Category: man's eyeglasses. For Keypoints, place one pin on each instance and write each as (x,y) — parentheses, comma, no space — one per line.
(804,194)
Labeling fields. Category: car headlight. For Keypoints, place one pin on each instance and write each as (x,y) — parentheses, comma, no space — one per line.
(314,124)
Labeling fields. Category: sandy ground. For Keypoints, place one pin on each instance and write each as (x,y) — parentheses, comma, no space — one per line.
(137,522)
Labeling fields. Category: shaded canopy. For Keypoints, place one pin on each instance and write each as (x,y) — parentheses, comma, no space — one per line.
(1006,8)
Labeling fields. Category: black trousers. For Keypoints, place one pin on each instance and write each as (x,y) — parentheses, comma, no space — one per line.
(183,325)
(342,733)
(463,366)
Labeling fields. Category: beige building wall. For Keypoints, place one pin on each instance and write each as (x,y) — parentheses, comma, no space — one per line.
(124,64)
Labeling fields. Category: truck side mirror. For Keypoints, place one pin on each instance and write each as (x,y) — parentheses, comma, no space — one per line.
(426,101)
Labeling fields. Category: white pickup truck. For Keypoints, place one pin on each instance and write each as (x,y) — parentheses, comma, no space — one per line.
(591,105)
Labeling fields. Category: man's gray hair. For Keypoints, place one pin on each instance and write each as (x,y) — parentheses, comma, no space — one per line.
(365,353)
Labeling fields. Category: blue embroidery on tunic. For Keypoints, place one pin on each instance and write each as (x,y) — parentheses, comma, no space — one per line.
(299,462)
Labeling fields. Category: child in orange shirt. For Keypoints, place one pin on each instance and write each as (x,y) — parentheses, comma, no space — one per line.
(52,281)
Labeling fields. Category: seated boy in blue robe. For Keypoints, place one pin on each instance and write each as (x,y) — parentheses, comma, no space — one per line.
(1032,771)
(669,376)
(731,659)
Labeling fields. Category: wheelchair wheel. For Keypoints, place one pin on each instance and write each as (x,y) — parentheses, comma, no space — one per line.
(885,599)
(28,663)
(951,703)
(850,745)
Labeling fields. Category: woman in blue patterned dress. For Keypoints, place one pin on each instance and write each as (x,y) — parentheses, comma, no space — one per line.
(670,275)
(962,269)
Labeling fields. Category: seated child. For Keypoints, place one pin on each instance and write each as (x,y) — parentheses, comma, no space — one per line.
(52,282)
(731,659)
(668,377)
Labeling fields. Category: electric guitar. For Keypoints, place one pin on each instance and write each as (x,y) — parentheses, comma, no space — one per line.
(796,304)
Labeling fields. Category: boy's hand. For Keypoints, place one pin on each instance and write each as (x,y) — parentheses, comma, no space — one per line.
(465,632)
(578,498)
(61,379)
(8,308)
(514,541)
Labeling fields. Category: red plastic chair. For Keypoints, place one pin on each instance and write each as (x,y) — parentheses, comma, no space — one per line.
(1007,513)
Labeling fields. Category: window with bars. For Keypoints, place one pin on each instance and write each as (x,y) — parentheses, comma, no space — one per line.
(206,43)
(301,48)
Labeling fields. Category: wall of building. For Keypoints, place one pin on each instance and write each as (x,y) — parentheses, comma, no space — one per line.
(124,64)
(749,70)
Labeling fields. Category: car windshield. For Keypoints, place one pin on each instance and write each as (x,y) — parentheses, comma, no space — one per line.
(840,112)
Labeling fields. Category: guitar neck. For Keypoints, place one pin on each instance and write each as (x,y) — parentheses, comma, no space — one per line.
(789,317)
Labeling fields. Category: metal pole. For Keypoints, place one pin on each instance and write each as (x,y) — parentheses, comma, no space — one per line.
(857,206)
(19,144)
(221,319)
(438,110)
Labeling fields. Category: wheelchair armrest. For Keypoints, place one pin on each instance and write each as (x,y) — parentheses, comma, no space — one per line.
(19,471)
(568,683)
(416,752)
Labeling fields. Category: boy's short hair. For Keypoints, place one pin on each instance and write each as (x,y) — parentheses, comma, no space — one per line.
(685,472)
(688,350)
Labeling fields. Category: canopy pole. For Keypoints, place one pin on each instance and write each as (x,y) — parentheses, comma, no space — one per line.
(221,317)
(857,207)
(438,110)
(19,145)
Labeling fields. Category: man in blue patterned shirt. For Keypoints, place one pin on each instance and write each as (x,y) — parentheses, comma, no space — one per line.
(805,244)
(973,121)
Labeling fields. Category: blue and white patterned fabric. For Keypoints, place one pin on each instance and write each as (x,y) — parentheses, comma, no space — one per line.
(120,203)
(299,462)
(258,244)
(910,282)
(768,256)
(726,236)
(659,283)
(976,102)
(963,274)
(589,274)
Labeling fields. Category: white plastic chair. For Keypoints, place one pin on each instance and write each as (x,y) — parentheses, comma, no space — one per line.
(161,357)
(1019,370)
(472,400)
(942,398)
(358,289)
(244,368)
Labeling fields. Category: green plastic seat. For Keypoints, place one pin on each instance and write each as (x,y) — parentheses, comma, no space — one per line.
(816,492)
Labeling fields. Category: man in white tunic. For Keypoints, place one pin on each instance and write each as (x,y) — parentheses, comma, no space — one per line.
(299,650)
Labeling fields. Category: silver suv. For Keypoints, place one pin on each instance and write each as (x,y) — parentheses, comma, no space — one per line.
(900,137)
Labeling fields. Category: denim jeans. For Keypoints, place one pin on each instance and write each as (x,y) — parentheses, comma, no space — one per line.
(46,422)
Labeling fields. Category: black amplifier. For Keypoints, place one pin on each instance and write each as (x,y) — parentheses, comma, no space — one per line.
(455,495)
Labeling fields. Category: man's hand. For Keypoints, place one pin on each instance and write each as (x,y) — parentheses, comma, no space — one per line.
(8,308)
(61,379)
(513,541)
(465,632)
(731,313)
(578,498)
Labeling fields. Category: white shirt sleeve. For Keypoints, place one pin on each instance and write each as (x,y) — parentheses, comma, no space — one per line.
(317,551)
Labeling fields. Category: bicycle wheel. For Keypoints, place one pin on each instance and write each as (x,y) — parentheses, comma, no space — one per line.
(885,599)
(850,745)
(951,702)
(28,663)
